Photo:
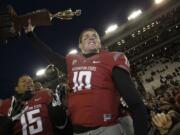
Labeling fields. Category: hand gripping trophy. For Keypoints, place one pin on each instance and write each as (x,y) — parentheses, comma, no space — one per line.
(11,24)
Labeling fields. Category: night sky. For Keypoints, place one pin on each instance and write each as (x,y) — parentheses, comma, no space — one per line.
(18,57)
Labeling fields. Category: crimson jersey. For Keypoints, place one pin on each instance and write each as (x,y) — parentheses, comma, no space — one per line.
(94,98)
(35,121)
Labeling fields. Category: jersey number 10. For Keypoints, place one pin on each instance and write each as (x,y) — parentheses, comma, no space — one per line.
(82,80)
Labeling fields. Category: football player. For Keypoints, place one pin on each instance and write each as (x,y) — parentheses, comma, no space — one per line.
(30,112)
(96,79)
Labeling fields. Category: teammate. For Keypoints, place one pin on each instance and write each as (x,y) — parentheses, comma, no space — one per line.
(29,112)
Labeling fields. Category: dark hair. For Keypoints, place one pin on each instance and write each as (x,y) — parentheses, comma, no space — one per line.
(15,83)
(81,34)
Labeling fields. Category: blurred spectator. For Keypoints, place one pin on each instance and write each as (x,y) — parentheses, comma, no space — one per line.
(37,86)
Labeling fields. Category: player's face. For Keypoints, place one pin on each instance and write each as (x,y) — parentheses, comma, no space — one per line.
(90,42)
(25,83)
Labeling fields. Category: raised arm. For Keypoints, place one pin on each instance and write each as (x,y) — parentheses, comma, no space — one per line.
(44,50)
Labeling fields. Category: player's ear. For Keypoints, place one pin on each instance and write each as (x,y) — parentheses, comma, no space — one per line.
(81,47)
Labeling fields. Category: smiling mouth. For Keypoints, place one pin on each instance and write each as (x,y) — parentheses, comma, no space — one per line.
(91,43)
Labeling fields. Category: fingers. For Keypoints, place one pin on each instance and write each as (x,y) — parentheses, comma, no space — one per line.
(168,117)
(29,27)
(162,120)
(157,120)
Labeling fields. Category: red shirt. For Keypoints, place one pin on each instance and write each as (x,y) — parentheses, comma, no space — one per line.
(35,121)
(94,98)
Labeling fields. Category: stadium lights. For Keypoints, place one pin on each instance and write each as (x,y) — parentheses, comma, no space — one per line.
(111,28)
(40,72)
(158,1)
(73,51)
(134,14)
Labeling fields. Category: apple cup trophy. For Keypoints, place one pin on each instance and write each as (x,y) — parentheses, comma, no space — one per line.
(11,24)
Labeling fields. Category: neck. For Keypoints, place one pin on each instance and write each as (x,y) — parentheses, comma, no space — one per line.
(92,51)
(90,54)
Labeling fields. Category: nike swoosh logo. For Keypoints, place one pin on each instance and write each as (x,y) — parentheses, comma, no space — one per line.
(37,99)
(96,62)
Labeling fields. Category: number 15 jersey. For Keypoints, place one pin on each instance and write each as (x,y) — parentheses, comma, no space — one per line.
(35,120)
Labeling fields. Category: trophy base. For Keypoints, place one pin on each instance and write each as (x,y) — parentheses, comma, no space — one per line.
(38,18)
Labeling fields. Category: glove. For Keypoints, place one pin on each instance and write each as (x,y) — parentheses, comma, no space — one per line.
(60,94)
(56,100)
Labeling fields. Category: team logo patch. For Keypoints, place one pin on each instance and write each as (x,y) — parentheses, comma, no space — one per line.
(74,62)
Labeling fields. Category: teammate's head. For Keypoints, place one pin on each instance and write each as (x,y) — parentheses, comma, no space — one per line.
(37,86)
(89,41)
(25,83)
